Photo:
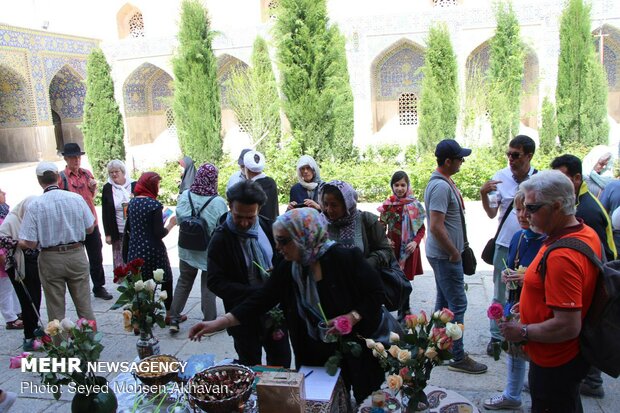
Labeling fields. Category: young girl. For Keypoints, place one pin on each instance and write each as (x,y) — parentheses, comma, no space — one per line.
(403,215)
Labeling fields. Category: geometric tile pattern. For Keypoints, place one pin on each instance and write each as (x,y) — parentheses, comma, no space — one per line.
(67,92)
(397,71)
(408,109)
(46,54)
(479,59)
(147,91)
(226,64)
(611,55)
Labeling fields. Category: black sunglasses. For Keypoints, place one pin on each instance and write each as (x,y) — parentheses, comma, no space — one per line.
(533,208)
(283,240)
(514,155)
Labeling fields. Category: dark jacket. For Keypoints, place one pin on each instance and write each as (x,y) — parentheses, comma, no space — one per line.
(108,212)
(377,249)
(228,273)
(299,194)
(270,209)
(594,215)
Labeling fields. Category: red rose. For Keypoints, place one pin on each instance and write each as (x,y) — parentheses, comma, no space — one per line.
(138,262)
(120,272)
(46,339)
(495,311)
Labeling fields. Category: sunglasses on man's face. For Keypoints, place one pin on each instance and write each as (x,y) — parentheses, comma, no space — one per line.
(283,240)
(533,208)
(514,155)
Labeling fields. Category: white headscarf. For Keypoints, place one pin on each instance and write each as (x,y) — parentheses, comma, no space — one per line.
(309,161)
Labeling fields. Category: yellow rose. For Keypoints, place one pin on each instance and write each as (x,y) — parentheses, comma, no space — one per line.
(431,353)
(394,382)
(127,320)
(404,356)
(394,351)
(53,328)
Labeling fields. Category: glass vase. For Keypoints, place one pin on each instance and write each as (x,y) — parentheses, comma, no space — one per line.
(103,401)
(409,407)
(147,344)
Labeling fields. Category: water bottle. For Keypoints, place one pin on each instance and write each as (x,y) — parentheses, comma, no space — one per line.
(493,199)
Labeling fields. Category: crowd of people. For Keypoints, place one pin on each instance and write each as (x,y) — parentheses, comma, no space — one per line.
(280,276)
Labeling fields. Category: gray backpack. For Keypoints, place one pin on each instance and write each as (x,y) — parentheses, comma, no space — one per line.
(193,231)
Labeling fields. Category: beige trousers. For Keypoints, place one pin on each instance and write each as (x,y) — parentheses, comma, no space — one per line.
(60,270)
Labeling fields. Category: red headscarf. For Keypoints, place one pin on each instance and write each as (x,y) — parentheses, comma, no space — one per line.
(147,185)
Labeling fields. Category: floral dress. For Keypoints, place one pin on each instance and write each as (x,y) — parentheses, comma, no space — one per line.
(146,229)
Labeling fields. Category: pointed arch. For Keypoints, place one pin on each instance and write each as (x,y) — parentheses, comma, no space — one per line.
(129,22)
(611,63)
(396,78)
(530,87)
(147,96)
(66,93)
(226,64)
(16,105)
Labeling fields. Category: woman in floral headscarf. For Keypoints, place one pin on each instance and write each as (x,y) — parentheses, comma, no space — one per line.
(319,278)
(354,228)
(202,191)
(145,226)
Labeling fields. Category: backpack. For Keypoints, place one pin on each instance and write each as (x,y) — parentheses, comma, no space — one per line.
(600,330)
(194,231)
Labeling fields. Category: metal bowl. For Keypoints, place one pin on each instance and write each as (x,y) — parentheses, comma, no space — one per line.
(237,379)
(157,378)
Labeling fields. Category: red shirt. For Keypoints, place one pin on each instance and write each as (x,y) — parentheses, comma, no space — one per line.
(78,183)
(569,284)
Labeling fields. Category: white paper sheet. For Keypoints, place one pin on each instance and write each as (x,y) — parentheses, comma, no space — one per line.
(318,384)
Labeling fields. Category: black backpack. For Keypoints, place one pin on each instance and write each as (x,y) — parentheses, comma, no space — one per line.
(194,231)
(600,330)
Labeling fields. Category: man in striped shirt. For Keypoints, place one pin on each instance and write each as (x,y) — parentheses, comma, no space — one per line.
(57,222)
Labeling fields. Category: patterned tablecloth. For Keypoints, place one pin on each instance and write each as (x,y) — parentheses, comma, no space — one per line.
(440,401)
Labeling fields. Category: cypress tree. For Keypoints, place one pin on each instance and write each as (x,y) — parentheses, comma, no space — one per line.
(102,124)
(439,96)
(253,96)
(196,103)
(581,91)
(505,76)
(548,127)
(312,68)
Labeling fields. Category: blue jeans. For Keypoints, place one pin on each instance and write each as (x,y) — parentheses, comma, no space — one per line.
(516,378)
(499,287)
(451,294)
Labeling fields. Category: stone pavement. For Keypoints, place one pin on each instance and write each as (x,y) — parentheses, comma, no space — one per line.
(18,181)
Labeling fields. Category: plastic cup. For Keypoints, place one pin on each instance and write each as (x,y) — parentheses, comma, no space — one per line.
(325,337)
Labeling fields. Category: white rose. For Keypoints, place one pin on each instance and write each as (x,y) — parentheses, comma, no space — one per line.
(139,285)
(378,354)
(379,347)
(436,315)
(394,338)
(163,295)
(158,275)
(370,343)
(150,285)
(404,356)
(454,331)
(67,324)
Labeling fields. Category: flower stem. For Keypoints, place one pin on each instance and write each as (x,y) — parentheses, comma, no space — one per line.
(322,313)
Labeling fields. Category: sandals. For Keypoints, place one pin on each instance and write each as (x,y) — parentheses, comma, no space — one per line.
(15,325)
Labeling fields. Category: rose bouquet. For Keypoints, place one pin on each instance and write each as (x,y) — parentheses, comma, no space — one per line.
(142,304)
(66,339)
(410,359)
(501,314)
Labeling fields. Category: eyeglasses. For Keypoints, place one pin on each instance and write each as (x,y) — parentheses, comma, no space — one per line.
(283,240)
(514,155)
(533,208)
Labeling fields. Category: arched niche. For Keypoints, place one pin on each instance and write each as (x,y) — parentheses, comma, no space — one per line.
(66,93)
(396,81)
(147,95)
(129,22)
(611,63)
(226,64)
(530,85)
(16,109)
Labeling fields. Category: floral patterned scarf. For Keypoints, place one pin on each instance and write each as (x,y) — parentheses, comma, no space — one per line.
(205,182)
(412,216)
(346,223)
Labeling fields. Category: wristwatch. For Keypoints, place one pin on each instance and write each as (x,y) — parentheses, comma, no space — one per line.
(524,332)
(356,316)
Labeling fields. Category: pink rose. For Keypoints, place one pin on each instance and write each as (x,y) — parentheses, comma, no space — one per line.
(82,322)
(16,361)
(495,311)
(446,315)
(411,320)
(343,325)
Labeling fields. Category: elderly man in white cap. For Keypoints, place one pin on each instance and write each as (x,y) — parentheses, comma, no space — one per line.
(254,163)
(58,222)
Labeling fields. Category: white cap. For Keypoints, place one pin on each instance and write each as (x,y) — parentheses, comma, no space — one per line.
(254,161)
(43,167)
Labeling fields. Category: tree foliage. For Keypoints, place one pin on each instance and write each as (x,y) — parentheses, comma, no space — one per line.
(196,104)
(314,81)
(505,75)
(102,124)
(253,96)
(548,127)
(581,91)
(439,96)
